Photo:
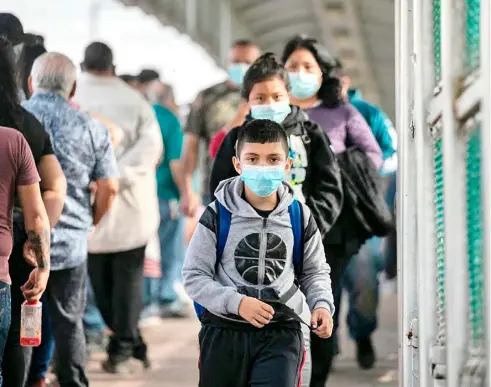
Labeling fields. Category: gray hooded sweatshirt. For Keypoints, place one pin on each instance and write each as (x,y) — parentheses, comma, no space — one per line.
(257,258)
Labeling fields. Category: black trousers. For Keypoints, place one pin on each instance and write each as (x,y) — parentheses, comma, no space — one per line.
(117,282)
(323,351)
(260,358)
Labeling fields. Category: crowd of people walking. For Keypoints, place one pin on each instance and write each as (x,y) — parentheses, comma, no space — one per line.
(99,199)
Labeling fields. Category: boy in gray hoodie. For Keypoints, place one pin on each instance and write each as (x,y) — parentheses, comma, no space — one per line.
(248,336)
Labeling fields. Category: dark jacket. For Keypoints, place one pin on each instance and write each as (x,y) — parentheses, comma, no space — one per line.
(364,195)
(316,177)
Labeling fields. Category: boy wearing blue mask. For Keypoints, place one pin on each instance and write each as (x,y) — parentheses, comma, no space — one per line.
(248,337)
(314,174)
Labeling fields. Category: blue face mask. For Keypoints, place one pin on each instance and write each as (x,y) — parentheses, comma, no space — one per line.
(304,85)
(262,181)
(277,111)
(236,72)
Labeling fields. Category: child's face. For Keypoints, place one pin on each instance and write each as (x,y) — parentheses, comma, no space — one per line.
(269,154)
(269,91)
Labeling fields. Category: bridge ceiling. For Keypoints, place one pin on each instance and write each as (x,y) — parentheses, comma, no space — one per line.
(359,32)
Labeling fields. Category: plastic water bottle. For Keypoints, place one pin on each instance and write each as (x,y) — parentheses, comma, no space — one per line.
(31,324)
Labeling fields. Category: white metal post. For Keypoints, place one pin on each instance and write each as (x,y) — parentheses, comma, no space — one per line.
(486,171)
(191,17)
(225,22)
(405,200)
(456,268)
(400,283)
(426,255)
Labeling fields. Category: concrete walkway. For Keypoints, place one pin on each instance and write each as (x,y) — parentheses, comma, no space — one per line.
(173,350)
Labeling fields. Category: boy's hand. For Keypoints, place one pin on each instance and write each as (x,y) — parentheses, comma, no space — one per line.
(256,312)
(322,323)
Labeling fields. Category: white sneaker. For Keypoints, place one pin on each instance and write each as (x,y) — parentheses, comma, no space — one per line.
(149,316)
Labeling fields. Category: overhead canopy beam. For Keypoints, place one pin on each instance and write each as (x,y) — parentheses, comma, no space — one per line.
(214,24)
(279,21)
(280,35)
(267,8)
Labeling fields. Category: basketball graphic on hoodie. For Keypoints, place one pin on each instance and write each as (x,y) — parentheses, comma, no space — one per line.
(247,254)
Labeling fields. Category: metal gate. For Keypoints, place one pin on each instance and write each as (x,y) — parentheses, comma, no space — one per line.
(443,89)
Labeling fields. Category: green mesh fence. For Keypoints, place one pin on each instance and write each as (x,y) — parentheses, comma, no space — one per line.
(472,25)
(440,239)
(473,183)
(438,186)
(436,39)
(474,237)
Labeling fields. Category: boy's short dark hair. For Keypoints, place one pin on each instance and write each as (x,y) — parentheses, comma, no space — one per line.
(261,132)
(265,67)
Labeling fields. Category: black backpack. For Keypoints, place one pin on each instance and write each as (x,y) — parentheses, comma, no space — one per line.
(364,193)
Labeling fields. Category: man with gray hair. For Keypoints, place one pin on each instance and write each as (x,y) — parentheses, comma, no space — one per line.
(84,150)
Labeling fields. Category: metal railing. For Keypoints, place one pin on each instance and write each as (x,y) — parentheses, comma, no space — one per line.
(443,89)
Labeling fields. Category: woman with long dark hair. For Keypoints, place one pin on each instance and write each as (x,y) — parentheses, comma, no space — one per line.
(317,88)
(53,187)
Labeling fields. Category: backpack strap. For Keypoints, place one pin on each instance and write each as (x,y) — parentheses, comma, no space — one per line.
(224,218)
(223,227)
(296,218)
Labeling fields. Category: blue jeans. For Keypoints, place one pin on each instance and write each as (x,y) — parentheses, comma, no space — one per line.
(93,322)
(150,290)
(4,319)
(361,281)
(171,236)
(41,356)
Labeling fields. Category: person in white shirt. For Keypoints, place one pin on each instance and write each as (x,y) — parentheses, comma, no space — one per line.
(117,244)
